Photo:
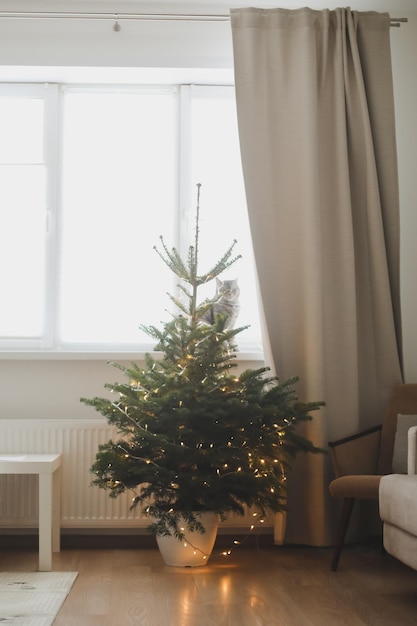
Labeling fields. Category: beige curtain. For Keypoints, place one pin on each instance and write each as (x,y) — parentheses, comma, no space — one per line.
(316,122)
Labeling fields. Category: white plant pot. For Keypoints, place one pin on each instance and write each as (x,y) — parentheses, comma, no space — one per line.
(195,549)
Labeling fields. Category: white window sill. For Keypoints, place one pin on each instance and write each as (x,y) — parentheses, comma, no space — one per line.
(97,355)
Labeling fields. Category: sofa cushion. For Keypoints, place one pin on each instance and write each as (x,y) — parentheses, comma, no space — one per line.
(398,501)
(399,458)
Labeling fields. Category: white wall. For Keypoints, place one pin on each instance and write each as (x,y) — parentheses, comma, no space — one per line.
(47,388)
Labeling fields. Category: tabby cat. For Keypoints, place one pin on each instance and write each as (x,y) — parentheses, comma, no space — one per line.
(226,302)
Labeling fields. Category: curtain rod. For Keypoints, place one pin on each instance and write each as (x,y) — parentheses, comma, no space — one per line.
(139,17)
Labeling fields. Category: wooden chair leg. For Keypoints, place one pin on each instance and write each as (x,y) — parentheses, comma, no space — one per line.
(341,533)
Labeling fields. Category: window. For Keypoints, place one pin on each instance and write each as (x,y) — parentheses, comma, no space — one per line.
(90,178)
(22,211)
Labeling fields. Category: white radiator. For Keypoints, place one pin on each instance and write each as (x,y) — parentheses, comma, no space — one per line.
(82,506)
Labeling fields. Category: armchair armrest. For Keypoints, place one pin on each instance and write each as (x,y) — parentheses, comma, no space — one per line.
(412,450)
(357,454)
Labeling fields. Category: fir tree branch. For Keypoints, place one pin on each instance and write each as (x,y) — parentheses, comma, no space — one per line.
(223,264)
(173,260)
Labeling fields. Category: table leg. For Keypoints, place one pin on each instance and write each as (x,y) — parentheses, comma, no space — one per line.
(45,522)
(56,510)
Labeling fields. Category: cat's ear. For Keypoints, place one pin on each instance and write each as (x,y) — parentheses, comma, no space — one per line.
(218,282)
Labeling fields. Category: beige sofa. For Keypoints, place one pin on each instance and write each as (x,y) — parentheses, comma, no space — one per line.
(398,508)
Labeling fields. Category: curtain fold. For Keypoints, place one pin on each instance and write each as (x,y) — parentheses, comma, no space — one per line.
(316,123)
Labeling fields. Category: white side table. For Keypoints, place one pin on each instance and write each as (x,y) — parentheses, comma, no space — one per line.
(48,469)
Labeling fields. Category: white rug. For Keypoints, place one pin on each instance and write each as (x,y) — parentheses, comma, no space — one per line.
(33,598)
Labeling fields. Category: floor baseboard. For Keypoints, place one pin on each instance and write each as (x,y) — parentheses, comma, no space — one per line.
(122,541)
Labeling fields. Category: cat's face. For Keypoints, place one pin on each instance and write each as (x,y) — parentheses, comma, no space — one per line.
(227,289)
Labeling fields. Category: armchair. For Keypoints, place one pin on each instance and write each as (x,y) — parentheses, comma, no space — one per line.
(360,460)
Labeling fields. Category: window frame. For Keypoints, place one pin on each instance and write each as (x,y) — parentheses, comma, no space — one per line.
(48,345)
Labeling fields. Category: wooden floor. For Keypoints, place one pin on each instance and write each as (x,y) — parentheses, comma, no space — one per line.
(267,586)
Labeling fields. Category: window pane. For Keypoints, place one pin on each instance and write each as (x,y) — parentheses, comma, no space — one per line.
(22,249)
(119,196)
(21,130)
(216,164)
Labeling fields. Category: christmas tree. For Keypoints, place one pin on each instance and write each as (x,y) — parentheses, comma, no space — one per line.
(194,435)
